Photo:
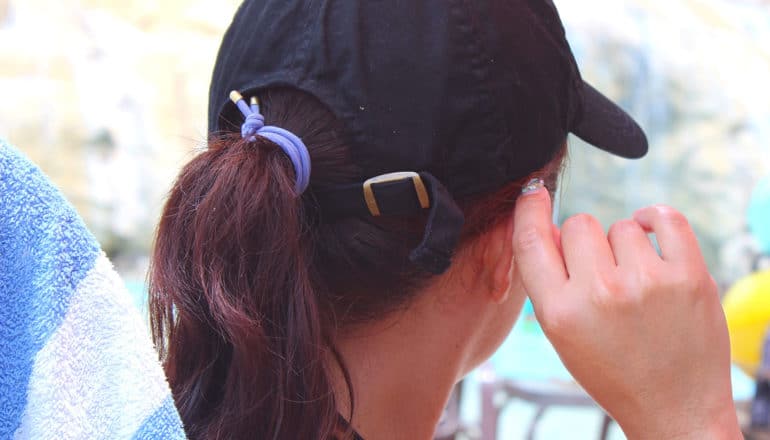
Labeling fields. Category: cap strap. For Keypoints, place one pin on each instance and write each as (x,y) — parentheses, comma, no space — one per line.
(291,144)
(400,194)
(442,231)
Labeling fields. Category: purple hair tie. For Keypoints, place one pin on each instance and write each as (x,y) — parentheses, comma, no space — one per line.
(291,144)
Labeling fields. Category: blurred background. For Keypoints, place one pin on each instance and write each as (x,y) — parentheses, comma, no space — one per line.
(109,98)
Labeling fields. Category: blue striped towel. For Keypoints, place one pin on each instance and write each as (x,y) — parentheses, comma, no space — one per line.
(76,359)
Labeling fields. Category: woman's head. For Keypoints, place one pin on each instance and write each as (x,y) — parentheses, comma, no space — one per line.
(253,281)
(250,284)
(470,95)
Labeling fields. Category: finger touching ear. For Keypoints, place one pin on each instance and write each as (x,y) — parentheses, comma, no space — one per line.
(538,258)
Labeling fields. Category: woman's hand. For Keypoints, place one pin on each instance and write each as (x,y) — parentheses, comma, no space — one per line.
(643,333)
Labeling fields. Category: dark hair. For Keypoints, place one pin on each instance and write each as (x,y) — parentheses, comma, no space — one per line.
(248,283)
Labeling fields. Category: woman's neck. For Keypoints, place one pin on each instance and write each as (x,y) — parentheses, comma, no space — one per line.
(402,374)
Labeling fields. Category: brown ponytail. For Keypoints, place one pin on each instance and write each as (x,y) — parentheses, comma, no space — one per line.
(232,303)
(248,285)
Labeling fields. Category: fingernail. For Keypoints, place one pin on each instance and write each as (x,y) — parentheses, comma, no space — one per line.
(532,186)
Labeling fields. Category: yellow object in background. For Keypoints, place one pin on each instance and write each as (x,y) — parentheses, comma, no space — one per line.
(747,308)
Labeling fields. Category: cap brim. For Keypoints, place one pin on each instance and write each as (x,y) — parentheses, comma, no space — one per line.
(606,126)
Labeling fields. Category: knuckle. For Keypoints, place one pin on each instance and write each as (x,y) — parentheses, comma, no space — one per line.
(706,285)
(526,239)
(612,292)
(702,284)
(623,228)
(579,222)
(672,216)
(646,276)
(610,284)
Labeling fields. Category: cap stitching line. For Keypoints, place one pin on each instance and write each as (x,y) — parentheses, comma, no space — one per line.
(461,13)
(303,46)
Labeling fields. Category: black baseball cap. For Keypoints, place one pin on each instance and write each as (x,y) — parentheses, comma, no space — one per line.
(470,95)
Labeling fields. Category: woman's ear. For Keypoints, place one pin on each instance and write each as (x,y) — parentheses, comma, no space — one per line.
(498,260)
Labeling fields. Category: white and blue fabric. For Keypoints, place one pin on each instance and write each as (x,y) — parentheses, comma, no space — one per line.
(77,360)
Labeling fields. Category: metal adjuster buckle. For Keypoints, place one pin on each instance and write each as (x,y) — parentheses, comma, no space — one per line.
(419,188)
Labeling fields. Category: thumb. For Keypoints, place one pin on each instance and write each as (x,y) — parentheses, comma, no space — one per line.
(538,258)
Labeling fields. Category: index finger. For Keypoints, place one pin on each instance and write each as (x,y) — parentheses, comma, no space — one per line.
(536,254)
